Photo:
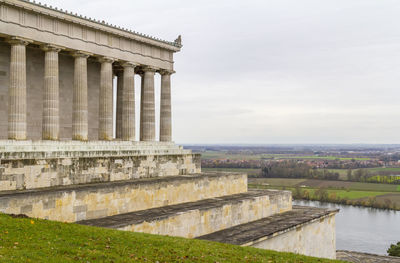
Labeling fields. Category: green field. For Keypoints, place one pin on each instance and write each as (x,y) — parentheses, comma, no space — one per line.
(276,181)
(352,195)
(379,169)
(372,170)
(33,240)
(354,191)
(340,185)
(249,171)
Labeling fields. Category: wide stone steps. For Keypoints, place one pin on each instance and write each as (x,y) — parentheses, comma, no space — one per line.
(96,200)
(198,218)
(304,230)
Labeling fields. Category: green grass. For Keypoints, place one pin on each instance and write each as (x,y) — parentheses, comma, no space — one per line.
(314,183)
(352,194)
(355,194)
(33,240)
(375,187)
(379,169)
(277,181)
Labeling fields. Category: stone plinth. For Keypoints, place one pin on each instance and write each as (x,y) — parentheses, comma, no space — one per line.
(30,165)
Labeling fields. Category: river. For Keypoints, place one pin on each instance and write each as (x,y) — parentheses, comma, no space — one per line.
(363,229)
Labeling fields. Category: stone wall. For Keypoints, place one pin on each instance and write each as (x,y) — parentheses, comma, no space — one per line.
(316,238)
(37,173)
(205,220)
(82,202)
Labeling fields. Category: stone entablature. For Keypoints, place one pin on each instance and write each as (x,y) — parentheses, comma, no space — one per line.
(41,24)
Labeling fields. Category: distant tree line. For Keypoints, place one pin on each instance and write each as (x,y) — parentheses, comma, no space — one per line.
(210,163)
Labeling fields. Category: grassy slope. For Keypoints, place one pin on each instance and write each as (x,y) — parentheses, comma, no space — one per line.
(32,240)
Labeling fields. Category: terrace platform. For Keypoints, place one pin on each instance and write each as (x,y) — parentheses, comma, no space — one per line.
(304,230)
(198,218)
(87,201)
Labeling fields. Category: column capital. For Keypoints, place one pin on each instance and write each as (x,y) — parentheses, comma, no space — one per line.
(105,59)
(166,72)
(18,41)
(50,47)
(129,64)
(149,69)
(81,54)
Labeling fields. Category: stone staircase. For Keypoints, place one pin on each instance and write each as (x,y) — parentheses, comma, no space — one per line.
(211,206)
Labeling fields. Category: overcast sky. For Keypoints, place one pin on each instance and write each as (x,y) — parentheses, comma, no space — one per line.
(274,71)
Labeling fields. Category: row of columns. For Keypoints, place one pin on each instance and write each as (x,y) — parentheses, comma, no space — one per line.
(125,121)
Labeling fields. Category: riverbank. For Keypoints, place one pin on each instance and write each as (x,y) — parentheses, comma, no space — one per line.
(383,196)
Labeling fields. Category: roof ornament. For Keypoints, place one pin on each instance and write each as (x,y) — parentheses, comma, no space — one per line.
(178,41)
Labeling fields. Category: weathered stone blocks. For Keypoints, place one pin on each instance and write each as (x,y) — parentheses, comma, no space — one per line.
(29,166)
(202,217)
(79,202)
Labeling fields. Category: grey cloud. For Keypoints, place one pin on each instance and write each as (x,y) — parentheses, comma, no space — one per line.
(275,71)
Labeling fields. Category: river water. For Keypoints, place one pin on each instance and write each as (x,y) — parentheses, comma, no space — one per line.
(363,229)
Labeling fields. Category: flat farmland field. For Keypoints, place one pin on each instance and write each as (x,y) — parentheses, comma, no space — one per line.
(314,183)
(249,171)
(277,181)
(354,191)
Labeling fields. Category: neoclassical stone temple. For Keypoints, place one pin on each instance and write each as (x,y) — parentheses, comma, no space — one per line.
(61,159)
(61,69)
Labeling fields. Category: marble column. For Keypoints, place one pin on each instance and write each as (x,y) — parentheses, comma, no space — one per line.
(147,121)
(17,90)
(80,98)
(118,123)
(165,107)
(128,105)
(51,122)
(106,100)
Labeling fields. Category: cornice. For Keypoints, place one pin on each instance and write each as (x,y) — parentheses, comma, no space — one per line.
(93,23)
